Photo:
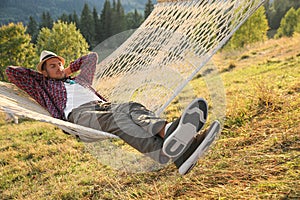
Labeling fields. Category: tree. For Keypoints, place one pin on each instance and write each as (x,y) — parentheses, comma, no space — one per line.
(32,29)
(105,20)
(118,18)
(47,20)
(97,37)
(63,39)
(288,24)
(148,8)
(134,19)
(75,19)
(15,47)
(87,27)
(64,18)
(276,10)
(253,30)
(297,29)
(121,16)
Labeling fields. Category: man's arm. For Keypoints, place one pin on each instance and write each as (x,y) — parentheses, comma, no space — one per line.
(27,80)
(23,78)
(87,65)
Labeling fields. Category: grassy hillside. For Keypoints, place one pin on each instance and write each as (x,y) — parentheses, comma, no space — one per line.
(257,155)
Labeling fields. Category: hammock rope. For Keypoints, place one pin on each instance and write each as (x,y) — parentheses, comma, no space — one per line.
(156,63)
(159,60)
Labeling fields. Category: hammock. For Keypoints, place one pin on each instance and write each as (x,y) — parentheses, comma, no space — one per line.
(156,63)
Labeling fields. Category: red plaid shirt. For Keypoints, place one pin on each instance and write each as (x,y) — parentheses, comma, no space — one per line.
(50,93)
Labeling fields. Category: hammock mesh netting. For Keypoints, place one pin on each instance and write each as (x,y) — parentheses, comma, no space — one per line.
(152,65)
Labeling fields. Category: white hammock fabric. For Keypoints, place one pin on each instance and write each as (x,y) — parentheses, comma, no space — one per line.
(155,63)
(13,100)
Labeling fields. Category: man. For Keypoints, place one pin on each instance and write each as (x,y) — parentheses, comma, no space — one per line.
(74,100)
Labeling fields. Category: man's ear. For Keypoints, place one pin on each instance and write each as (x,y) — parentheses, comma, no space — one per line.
(45,73)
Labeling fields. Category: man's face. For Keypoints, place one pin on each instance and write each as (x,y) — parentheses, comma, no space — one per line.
(54,69)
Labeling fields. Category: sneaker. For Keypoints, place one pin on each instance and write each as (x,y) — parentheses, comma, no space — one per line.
(182,131)
(186,162)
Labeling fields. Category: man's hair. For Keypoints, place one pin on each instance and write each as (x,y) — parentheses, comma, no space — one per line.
(44,66)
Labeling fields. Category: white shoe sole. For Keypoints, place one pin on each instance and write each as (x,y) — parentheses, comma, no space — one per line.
(192,120)
(203,147)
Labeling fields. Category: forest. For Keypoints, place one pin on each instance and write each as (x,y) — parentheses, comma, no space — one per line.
(20,10)
(94,25)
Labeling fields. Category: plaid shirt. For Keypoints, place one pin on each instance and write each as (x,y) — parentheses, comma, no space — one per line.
(49,93)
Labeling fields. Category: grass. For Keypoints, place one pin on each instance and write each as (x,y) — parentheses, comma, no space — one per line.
(257,155)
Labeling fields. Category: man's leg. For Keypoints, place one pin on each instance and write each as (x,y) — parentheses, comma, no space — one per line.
(132,122)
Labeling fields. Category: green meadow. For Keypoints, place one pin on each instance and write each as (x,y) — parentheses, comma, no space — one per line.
(256,156)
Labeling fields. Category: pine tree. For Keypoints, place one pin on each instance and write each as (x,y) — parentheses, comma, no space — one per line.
(16,48)
(133,19)
(105,20)
(64,18)
(121,17)
(97,26)
(32,29)
(297,29)
(148,8)
(253,30)
(276,10)
(114,6)
(288,24)
(46,21)
(118,18)
(75,19)
(87,27)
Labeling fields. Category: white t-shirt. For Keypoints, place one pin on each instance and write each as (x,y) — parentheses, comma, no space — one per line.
(78,95)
